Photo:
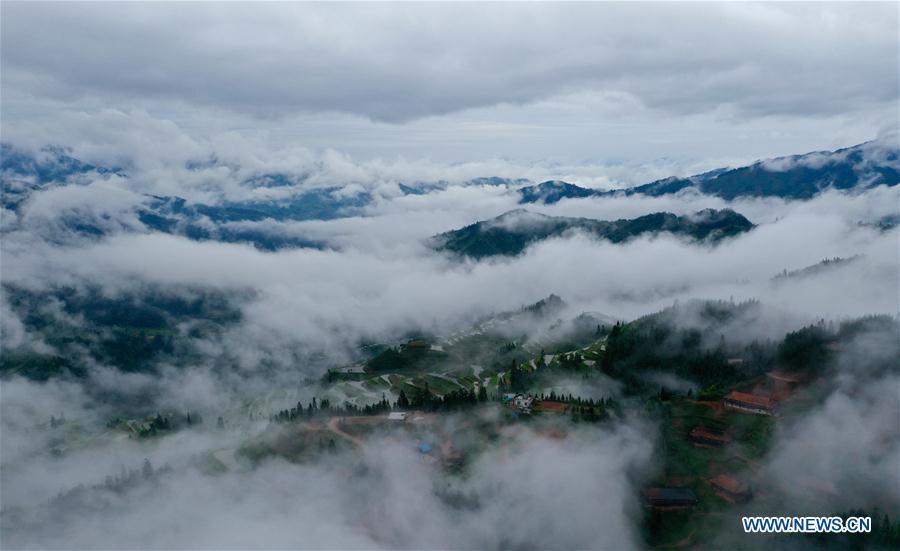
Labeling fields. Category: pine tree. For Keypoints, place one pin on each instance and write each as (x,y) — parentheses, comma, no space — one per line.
(402,400)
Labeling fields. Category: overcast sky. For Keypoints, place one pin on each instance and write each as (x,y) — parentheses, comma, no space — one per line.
(678,86)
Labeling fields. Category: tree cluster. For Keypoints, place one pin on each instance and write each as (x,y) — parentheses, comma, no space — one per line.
(324,407)
(421,399)
(120,483)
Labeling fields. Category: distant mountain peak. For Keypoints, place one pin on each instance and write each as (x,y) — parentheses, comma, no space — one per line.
(517,212)
(512,232)
(552,191)
(517,217)
(550,305)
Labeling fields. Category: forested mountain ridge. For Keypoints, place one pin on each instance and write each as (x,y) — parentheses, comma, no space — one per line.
(511,233)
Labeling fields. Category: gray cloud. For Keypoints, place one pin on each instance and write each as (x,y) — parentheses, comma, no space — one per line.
(672,84)
(397,63)
(578,493)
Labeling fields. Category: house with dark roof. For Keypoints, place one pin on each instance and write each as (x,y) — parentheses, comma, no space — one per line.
(707,437)
(416,345)
(749,403)
(668,499)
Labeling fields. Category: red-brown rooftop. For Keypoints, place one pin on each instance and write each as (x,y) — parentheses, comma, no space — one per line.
(788,376)
(556,407)
(752,399)
(728,484)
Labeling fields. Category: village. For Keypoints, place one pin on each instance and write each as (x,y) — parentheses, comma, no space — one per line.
(712,445)
(711,440)
(449,402)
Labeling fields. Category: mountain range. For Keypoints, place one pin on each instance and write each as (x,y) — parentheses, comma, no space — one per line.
(794,177)
(276,197)
(281,198)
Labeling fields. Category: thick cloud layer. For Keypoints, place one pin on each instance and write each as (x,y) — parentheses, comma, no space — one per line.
(463,56)
(670,83)
(387,496)
(382,280)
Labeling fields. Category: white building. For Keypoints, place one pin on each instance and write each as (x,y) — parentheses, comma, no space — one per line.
(352,369)
(520,402)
